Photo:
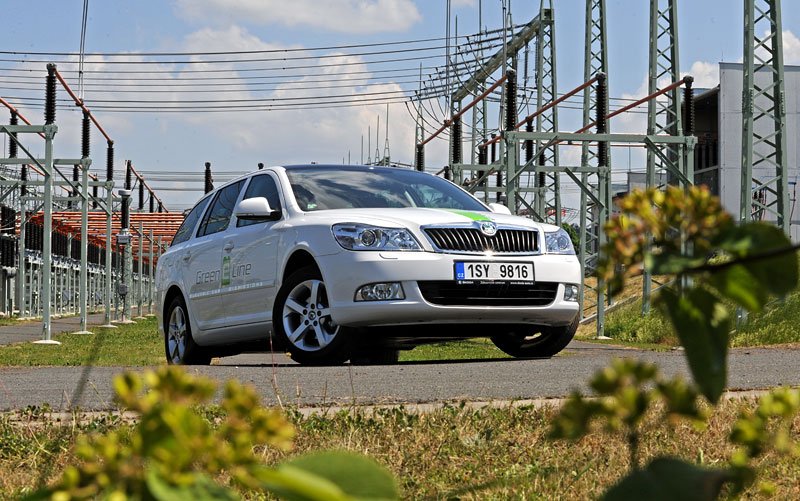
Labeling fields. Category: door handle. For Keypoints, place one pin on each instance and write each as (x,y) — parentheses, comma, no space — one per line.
(187,256)
(228,247)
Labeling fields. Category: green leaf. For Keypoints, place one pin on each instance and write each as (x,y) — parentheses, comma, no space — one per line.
(739,285)
(294,484)
(702,324)
(356,475)
(201,489)
(668,479)
(778,274)
(669,263)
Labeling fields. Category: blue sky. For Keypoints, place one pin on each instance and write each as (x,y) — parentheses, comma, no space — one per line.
(711,31)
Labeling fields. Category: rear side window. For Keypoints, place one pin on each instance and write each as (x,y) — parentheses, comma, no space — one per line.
(262,186)
(189,222)
(219,215)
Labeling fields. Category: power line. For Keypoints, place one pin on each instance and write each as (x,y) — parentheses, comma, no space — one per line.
(261,51)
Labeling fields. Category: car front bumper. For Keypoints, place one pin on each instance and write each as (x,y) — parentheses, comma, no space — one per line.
(344,273)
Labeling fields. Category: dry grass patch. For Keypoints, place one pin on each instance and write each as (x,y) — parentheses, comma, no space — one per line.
(489,453)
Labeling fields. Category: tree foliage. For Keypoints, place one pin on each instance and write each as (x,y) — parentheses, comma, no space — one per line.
(685,233)
(174,453)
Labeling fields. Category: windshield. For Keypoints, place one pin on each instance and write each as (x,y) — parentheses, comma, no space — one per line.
(343,187)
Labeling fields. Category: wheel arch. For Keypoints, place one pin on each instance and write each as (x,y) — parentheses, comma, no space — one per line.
(299,258)
(173,292)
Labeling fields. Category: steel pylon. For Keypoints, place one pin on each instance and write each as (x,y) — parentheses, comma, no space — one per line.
(598,182)
(765,186)
(548,194)
(664,163)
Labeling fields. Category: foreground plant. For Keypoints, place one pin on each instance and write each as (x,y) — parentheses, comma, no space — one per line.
(714,262)
(175,453)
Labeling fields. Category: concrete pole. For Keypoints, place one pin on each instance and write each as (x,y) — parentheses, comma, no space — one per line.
(127,259)
(140,283)
(109,283)
(22,303)
(84,277)
(152,275)
(47,256)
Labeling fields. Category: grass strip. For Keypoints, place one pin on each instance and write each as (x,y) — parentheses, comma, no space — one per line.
(452,452)
(129,345)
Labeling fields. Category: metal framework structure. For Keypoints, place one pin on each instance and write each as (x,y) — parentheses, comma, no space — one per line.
(548,184)
(597,183)
(489,161)
(765,184)
(663,115)
(67,263)
(669,145)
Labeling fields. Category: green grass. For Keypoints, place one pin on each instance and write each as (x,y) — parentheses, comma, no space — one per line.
(129,345)
(140,344)
(626,325)
(468,349)
(777,324)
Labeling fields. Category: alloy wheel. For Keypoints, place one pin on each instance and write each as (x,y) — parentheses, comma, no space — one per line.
(307,318)
(176,335)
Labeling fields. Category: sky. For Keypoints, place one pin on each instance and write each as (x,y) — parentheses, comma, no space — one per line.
(319,36)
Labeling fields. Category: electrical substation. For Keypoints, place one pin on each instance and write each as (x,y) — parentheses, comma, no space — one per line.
(75,242)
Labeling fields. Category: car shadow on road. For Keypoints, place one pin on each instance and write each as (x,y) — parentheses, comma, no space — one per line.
(281,360)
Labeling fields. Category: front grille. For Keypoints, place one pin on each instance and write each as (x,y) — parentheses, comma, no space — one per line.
(452,293)
(505,241)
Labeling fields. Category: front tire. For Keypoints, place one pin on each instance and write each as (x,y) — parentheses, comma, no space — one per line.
(179,345)
(303,324)
(525,341)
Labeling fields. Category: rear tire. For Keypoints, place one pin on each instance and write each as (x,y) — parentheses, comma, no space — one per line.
(375,356)
(535,342)
(302,321)
(179,345)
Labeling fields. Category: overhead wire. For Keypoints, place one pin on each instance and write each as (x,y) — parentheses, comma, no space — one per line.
(235,61)
(254,51)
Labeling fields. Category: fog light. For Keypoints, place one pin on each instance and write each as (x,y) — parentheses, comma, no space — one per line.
(380,292)
(570,292)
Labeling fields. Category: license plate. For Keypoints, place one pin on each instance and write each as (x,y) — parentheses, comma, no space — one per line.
(509,272)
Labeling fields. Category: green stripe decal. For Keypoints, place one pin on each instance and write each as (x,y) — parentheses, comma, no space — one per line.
(469,214)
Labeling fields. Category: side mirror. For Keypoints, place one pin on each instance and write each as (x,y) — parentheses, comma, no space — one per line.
(256,209)
(499,208)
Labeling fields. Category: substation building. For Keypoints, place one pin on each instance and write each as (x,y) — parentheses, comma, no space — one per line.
(718,158)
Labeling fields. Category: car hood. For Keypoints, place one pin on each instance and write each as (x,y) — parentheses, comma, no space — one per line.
(413,217)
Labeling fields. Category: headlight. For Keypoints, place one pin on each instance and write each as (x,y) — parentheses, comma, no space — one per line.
(558,242)
(354,236)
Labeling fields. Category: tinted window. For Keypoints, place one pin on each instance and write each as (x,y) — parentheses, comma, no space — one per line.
(219,215)
(334,187)
(262,186)
(189,222)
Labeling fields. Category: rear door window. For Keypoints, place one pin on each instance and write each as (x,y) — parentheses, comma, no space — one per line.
(189,222)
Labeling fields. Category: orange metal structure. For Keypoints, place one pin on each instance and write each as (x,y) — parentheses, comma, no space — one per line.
(162,224)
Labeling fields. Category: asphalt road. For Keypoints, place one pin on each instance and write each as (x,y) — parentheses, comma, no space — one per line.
(278,379)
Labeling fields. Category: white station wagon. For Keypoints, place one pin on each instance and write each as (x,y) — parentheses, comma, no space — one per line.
(333,263)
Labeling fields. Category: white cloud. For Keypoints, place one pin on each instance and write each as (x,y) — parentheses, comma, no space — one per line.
(351,16)
(706,75)
(791,48)
(464,3)
(300,134)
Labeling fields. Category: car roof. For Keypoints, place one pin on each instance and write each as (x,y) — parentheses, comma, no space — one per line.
(340,167)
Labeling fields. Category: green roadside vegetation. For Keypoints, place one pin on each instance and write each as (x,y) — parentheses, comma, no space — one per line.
(452,453)
(468,349)
(140,345)
(626,325)
(128,345)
